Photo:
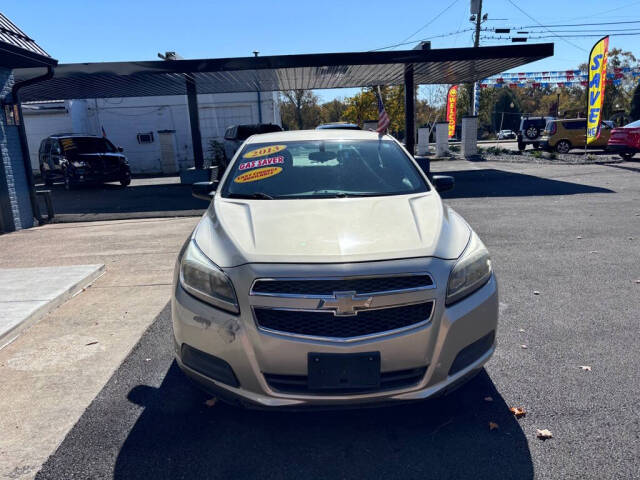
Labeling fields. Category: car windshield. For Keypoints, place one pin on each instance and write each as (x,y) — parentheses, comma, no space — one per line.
(322,169)
(635,124)
(87,145)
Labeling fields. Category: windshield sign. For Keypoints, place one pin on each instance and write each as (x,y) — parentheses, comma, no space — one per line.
(322,169)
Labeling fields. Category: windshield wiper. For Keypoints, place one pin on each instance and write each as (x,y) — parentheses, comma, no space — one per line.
(254,195)
(348,194)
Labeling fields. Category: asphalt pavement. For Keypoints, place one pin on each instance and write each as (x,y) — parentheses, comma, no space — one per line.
(565,243)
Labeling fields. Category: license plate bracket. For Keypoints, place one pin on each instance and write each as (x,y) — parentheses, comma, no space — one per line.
(343,371)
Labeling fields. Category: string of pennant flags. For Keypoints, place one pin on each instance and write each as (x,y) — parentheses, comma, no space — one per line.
(566,78)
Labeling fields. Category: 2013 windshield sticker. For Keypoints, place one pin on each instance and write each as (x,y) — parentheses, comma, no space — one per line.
(263,162)
(257,174)
(261,152)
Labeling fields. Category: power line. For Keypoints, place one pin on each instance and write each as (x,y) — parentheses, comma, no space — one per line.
(432,20)
(562,36)
(599,30)
(450,34)
(539,25)
(608,11)
(563,39)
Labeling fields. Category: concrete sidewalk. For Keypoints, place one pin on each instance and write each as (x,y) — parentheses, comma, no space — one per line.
(27,294)
(52,372)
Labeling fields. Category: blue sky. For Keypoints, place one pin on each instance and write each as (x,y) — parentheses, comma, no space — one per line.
(116,30)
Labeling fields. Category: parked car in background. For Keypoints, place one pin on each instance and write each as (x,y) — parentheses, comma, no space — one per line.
(505,134)
(81,159)
(625,141)
(563,135)
(338,125)
(236,134)
(530,131)
(327,271)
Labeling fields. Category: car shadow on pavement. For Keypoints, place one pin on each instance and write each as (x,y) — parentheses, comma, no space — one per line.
(179,436)
(150,421)
(499,183)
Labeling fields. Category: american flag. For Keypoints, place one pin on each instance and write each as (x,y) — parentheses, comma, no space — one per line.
(383,118)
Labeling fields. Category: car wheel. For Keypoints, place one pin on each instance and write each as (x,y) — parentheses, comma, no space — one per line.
(563,146)
(532,132)
(125,180)
(626,156)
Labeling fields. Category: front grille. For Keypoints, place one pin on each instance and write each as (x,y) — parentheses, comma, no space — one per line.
(328,286)
(388,381)
(326,324)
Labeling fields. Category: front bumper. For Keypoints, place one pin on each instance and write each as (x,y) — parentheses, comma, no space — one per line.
(453,345)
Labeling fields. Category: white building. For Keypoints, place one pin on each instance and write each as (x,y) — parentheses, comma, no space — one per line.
(134,123)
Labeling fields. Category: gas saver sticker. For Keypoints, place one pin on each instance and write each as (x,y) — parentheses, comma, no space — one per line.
(263,162)
(257,174)
(261,152)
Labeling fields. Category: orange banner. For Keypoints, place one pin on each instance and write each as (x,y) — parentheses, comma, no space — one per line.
(452,109)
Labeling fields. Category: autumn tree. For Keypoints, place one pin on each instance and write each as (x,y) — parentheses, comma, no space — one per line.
(299,109)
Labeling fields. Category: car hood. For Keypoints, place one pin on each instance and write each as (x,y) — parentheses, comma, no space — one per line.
(235,232)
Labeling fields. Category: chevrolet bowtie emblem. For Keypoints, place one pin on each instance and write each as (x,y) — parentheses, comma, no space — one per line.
(345,303)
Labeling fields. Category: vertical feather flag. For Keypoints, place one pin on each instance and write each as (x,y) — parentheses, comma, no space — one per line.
(597,81)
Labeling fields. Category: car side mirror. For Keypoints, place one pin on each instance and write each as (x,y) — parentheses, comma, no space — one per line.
(443,182)
(204,190)
(120,149)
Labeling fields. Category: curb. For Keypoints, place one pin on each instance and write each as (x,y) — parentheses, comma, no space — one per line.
(14,332)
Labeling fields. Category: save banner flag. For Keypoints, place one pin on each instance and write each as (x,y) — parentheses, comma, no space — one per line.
(452,105)
(597,81)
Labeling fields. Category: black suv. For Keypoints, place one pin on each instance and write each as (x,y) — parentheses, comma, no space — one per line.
(530,131)
(235,135)
(76,159)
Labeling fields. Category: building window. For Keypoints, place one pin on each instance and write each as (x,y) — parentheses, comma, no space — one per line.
(145,137)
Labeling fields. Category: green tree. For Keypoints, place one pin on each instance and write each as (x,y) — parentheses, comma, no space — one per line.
(332,111)
(506,111)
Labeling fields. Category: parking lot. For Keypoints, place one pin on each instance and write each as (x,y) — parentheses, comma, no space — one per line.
(565,242)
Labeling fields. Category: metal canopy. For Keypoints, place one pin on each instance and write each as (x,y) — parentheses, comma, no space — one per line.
(282,72)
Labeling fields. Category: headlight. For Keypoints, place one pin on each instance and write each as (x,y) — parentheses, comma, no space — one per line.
(471,272)
(203,279)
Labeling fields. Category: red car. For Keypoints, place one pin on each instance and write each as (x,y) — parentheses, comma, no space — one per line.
(625,140)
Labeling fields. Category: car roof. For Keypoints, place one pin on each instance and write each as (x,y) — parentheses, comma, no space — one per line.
(323,134)
(61,135)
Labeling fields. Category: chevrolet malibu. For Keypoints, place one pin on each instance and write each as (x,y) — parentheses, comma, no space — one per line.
(326,272)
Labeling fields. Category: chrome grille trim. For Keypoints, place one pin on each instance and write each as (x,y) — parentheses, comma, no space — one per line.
(253,293)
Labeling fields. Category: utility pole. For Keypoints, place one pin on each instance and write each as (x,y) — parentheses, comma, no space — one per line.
(255,54)
(476,42)
(476,5)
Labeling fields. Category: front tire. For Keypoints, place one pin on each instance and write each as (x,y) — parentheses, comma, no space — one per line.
(563,146)
(125,180)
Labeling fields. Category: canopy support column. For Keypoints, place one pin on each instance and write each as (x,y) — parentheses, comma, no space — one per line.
(409,109)
(194,120)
